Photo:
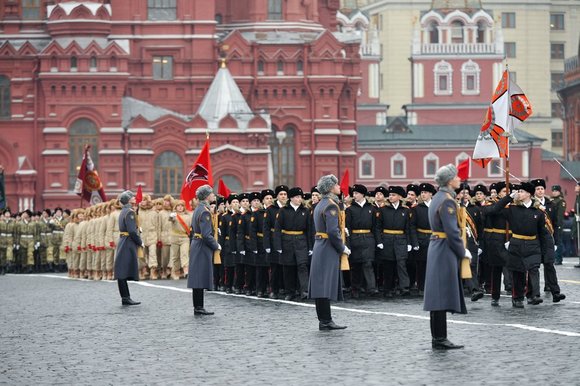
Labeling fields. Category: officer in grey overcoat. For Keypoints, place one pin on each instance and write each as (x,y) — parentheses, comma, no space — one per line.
(325,281)
(201,250)
(126,263)
(443,287)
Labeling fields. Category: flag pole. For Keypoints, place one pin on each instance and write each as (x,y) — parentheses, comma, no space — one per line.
(507,158)
(83,182)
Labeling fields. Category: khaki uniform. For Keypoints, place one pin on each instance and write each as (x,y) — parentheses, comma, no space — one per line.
(179,242)
(57,226)
(6,241)
(111,236)
(149,222)
(80,246)
(45,234)
(69,251)
(26,234)
(165,240)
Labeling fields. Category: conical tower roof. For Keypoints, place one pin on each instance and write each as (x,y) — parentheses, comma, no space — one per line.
(224,97)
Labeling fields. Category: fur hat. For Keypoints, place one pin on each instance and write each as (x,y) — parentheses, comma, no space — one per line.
(126,196)
(413,188)
(203,192)
(296,191)
(528,187)
(539,182)
(427,187)
(397,190)
(326,183)
(232,197)
(445,174)
(360,189)
(176,203)
(281,188)
(383,190)
(267,192)
(480,188)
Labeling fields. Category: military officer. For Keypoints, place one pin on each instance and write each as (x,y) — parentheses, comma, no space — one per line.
(244,271)
(6,241)
(560,208)
(276,271)
(325,280)
(203,245)
(423,229)
(180,231)
(228,253)
(262,263)
(57,225)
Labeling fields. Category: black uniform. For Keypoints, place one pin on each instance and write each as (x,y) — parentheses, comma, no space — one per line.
(276,281)
(420,220)
(363,235)
(256,244)
(548,260)
(474,225)
(291,236)
(245,271)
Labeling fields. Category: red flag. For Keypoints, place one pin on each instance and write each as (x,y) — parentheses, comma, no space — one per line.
(344,183)
(223,189)
(199,175)
(139,195)
(464,170)
(88,184)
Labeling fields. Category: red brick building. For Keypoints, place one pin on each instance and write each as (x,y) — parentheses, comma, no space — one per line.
(141,82)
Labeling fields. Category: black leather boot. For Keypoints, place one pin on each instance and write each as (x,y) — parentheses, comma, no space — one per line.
(129,302)
(444,344)
(201,311)
(329,325)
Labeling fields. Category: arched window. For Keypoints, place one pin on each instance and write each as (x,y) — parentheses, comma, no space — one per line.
(430,165)
(232,182)
(31,10)
(481,32)
(93,63)
(4,97)
(280,67)
(398,166)
(82,132)
(443,78)
(366,166)
(282,145)
(470,78)
(299,67)
(73,63)
(461,157)
(457,32)
(168,173)
(274,9)
(260,67)
(433,32)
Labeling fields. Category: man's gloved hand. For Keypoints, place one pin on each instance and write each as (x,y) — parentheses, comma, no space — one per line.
(279,251)
(255,252)
(380,246)
(18,247)
(513,194)
(507,245)
(479,251)
(243,253)
(555,248)
(173,215)
(416,248)
(37,245)
(268,250)
(346,232)
(409,247)
(346,250)
(310,253)
(219,232)
(219,247)
(468,254)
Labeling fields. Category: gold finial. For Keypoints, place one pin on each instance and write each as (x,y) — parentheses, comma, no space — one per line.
(222,62)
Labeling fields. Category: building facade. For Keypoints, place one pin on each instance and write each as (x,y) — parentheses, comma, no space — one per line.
(273,82)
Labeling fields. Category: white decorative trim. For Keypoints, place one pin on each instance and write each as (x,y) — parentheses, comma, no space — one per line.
(398,157)
(55,152)
(348,132)
(56,185)
(231,147)
(461,157)
(111,130)
(489,171)
(226,131)
(54,130)
(470,68)
(112,183)
(443,68)
(25,172)
(326,152)
(426,159)
(327,132)
(140,131)
(141,151)
(111,151)
(305,152)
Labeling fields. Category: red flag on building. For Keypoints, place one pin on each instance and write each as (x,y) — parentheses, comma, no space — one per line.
(464,170)
(199,175)
(88,184)
(223,189)
(139,195)
(344,184)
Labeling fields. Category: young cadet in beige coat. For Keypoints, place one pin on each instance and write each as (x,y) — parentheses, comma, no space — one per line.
(111,236)
(180,229)
(164,207)
(149,223)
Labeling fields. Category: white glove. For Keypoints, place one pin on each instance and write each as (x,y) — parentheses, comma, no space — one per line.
(268,250)
(279,251)
(468,254)
(513,194)
(140,230)
(18,247)
(172,214)
(219,232)
(416,248)
(578,218)
(409,247)
(36,245)
(507,245)
(243,253)
(255,252)
(555,248)
(346,232)
(380,246)
(310,253)
(479,251)
(219,247)
(346,250)
(143,245)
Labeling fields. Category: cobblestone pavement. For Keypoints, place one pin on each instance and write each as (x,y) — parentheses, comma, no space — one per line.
(54,330)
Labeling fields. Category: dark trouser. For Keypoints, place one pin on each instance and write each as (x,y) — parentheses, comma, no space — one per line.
(261,279)
(518,285)
(217,276)
(412,272)
(533,283)
(421,269)
(250,278)
(123,288)
(303,278)
(361,273)
(496,272)
(229,276)
(197,297)
(402,274)
(240,276)
(551,278)
(323,309)
(369,274)
(275,277)
(388,275)
(485,275)
(507,279)
(356,276)
(438,324)
(290,279)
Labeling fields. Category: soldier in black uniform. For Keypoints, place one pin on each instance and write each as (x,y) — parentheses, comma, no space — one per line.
(292,241)
(276,277)
(398,238)
(474,228)
(363,235)
(480,193)
(228,253)
(257,242)
(549,259)
(237,234)
(249,231)
(411,201)
(423,229)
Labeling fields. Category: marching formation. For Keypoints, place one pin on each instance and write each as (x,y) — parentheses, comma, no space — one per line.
(267,240)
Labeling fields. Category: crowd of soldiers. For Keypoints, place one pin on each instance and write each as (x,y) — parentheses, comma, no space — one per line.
(267,239)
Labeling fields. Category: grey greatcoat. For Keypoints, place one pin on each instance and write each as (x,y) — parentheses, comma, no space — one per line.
(201,249)
(126,263)
(325,269)
(443,288)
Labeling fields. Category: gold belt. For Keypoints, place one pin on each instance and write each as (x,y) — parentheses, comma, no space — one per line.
(272,229)
(322,235)
(393,232)
(495,230)
(124,234)
(197,235)
(360,231)
(523,237)
(292,233)
(439,235)
(247,237)
(426,231)
(227,237)
(260,234)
